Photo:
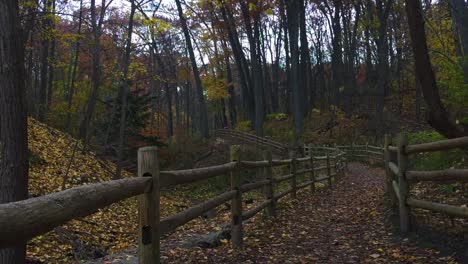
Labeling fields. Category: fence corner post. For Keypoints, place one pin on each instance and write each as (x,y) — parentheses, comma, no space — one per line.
(329,170)
(236,202)
(403,184)
(148,208)
(312,169)
(294,175)
(269,190)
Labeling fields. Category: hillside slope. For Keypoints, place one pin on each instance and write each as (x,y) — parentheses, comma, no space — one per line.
(111,229)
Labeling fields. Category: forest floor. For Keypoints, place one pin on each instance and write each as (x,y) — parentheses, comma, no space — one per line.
(349,223)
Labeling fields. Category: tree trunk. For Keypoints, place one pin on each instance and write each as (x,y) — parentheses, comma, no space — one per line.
(438,118)
(459,10)
(293,28)
(46,32)
(125,88)
(305,60)
(13,123)
(73,69)
(96,26)
(201,98)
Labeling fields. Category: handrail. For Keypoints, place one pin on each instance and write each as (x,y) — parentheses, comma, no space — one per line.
(23,220)
(253,137)
(400,189)
(172,222)
(28,218)
(449,175)
(169,178)
(461,142)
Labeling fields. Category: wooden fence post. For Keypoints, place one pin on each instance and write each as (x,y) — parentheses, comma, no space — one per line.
(294,175)
(403,184)
(269,190)
(388,173)
(367,153)
(329,170)
(236,202)
(312,169)
(148,207)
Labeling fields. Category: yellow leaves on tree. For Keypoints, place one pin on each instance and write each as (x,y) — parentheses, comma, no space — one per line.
(216,89)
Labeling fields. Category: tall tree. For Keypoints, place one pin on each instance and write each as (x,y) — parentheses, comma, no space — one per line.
(198,84)
(459,10)
(97,21)
(383,10)
(124,91)
(292,8)
(13,124)
(438,117)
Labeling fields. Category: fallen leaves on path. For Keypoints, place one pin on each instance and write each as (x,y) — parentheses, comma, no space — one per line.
(347,224)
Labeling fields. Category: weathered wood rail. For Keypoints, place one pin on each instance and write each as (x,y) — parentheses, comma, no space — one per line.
(394,156)
(399,177)
(23,220)
(253,139)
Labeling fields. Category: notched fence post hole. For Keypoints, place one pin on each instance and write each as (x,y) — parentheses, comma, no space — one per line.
(148,208)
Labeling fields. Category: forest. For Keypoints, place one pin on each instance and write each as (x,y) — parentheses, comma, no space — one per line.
(84,84)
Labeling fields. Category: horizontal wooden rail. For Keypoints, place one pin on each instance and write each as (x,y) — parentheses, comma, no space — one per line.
(252,212)
(25,219)
(303,171)
(323,178)
(376,148)
(282,194)
(170,223)
(320,168)
(254,164)
(253,138)
(320,157)
(303,159)
(280,162)
(283,178)
(394,168)
(305,184)
(375,153)
(392,148)
(449,175)
(169,178)
(396,189)
(254,185)
(461,142)
(451,210)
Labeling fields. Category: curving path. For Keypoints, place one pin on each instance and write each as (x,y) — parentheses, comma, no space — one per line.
(345,224)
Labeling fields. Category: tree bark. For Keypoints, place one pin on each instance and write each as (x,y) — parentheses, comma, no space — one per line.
(201,98)
(293,28)
(125,88)
(13,123)
(459,10)
(438,117)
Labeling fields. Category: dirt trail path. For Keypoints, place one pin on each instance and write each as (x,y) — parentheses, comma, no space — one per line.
(346,224)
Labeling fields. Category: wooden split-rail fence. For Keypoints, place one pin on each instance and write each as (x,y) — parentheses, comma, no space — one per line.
(395,157)
(23,220)
(399,176)
(247,138)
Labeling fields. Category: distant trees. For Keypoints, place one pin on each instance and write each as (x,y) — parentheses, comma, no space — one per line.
(13,127)
(211,64)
